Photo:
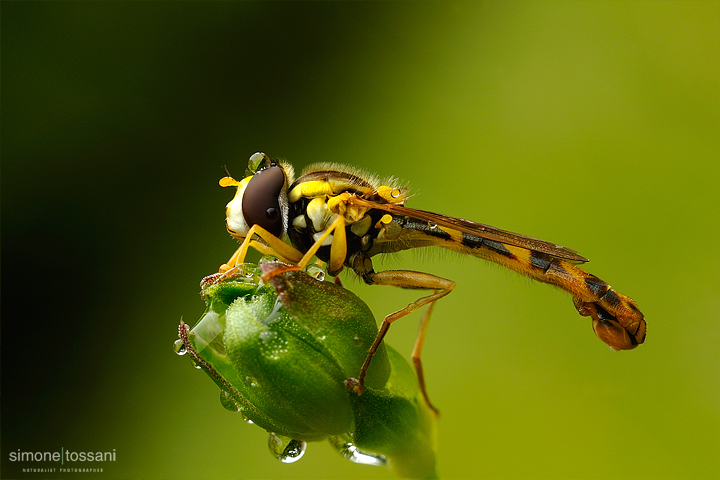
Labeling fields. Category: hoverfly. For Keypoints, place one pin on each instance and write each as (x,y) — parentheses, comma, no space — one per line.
(345,217)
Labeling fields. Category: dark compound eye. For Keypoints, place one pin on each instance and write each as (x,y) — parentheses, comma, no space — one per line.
(261,200)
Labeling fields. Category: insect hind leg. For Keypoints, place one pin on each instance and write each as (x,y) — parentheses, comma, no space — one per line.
(413,280)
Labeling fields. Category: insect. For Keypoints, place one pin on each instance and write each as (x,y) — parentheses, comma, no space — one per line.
(345,217)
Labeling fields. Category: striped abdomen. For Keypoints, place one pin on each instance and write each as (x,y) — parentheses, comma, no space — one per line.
(616,318)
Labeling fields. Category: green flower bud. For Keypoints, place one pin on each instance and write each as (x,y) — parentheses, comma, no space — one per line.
(286,371)
(291,351)
(282,353)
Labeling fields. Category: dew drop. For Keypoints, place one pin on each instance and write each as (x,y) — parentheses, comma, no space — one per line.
(286,449)
(267,259)
(316,271)
(354,454)
(255,160)
(228,402)
(251,381)
(179,347)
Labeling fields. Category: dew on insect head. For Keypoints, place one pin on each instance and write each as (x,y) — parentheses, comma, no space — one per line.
(286,449)
(179,347)
(255,160)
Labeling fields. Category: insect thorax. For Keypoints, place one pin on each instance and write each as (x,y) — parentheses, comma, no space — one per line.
(310,215)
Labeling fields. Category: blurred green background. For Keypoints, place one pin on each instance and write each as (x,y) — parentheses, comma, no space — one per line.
(591,124)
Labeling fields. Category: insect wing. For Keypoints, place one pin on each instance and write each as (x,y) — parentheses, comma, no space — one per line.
(480,230)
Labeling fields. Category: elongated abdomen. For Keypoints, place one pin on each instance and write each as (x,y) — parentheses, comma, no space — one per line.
(617,320)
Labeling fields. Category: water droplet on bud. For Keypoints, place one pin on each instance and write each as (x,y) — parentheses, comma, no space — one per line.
(352,453)
(267,259)
(316,271)
(286,449)
(228,402)
(179,347)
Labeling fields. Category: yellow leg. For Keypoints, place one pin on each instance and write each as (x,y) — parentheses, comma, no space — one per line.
(338,250)
(415,280)
(230,264)
(272,246)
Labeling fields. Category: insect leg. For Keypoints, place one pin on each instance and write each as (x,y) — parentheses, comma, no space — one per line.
(338,249)
(230,264)
(272,246)
(417,351)
(414,280)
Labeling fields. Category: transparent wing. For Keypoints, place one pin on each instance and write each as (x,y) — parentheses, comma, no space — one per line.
(479,229)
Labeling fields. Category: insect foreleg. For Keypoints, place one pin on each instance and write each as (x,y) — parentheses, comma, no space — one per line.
(338,246)
(338,250)
(272,246)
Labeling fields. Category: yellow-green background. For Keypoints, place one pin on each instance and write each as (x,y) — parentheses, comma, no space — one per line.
(592,124)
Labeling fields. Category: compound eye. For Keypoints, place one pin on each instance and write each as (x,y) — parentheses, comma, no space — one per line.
(261,200)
